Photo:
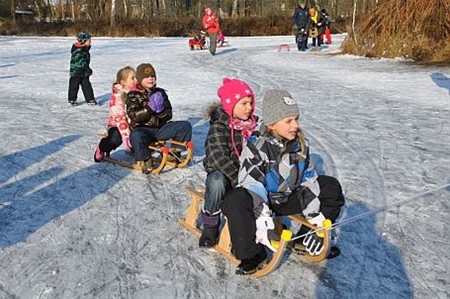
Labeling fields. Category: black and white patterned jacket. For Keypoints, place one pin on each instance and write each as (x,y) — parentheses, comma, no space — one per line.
(273,169)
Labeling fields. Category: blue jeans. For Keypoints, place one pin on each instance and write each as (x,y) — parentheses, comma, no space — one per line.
(216,186)
(142,136)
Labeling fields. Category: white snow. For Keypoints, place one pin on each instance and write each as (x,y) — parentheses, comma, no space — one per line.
(71,228)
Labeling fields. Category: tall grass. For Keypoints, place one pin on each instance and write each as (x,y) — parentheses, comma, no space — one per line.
(415,29)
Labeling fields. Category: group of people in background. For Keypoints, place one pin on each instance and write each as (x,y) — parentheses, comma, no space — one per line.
(256,168)
(311,23)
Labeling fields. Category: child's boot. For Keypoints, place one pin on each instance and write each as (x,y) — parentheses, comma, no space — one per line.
(99,155)
(210,232)
(251,265)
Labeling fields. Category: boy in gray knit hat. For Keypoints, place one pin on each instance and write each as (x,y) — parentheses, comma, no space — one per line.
(277,176)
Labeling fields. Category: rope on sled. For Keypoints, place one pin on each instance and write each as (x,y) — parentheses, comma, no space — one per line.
(375,211)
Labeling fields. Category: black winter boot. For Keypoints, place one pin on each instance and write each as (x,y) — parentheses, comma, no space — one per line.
(251,265)
(210,234)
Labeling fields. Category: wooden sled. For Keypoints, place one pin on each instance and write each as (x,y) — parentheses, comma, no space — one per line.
(224,244)
(169,152)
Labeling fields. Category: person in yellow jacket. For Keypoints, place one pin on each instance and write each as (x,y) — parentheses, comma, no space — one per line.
(317,27)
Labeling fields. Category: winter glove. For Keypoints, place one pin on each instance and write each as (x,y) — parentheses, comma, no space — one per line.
(156,102)
(263,223)
(313,243)
(126,142)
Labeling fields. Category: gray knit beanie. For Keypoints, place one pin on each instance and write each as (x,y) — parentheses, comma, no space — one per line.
(278,104)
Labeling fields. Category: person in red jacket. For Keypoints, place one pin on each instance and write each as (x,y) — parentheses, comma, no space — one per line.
(211,25)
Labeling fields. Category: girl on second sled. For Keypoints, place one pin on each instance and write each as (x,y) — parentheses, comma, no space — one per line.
(278,175)
(231,119)
(118,126)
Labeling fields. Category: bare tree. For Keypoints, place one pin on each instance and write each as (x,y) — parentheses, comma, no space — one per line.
(113,13)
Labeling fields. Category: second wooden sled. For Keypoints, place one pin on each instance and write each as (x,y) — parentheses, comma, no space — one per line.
(168,152)
(224,244)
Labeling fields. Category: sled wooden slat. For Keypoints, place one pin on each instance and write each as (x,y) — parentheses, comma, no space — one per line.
(138,165)
(123,163)
(190,223)
(168,155)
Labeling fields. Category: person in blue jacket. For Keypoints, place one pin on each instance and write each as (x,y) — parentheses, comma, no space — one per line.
(302,21)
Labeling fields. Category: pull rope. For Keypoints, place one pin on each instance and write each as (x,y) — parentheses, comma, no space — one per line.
(372,212)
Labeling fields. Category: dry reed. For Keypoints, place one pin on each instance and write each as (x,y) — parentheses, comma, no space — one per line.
(415,29)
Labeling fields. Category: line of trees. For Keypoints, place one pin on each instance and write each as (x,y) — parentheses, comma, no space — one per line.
(117,10)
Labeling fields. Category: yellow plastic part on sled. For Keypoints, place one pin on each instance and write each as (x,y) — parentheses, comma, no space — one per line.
(286,235)
(326,225)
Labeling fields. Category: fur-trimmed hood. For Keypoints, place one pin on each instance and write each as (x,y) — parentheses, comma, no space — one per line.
(215,112)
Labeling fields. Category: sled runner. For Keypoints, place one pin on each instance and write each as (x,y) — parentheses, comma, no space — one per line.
(224,244)
(284,46)
(169,152)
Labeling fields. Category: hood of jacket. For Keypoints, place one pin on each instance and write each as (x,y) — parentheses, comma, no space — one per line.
(215,113)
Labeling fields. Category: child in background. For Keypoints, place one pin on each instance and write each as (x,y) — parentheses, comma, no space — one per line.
(278,175)
(210,23)
(221,39)
(316,29)
(80,70)
(118,128)
(150,112)
(231,123)
(327,22)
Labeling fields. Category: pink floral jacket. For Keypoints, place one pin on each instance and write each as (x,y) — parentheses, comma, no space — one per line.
(117,112)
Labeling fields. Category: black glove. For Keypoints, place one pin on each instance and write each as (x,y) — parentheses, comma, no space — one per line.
(313,243)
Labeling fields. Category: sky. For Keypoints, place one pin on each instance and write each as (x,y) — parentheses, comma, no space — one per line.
(72,228)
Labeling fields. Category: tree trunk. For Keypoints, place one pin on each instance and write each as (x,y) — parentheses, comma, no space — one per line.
(113,13)
(13,11)
(52,10)
(234,8)
(354,21)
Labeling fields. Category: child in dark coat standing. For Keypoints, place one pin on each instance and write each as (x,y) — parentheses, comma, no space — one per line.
(80,70)
(231,123)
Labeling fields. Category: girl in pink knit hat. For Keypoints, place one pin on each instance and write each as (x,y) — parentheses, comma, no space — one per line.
(231,122)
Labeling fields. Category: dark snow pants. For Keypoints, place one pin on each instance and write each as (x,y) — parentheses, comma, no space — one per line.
(213,43)
(86,87)
(301,39)
(238,208)
(142,136)
(113,141)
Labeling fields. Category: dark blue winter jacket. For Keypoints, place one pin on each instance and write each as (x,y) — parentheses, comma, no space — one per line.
(301,18)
